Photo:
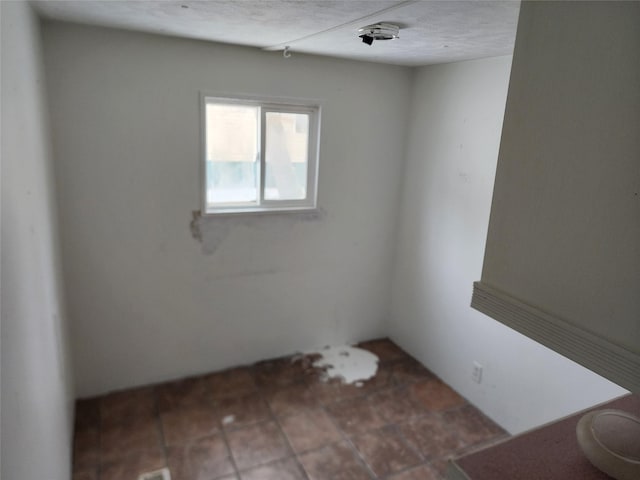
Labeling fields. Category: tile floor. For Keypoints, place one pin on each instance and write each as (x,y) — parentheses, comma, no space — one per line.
(278,420)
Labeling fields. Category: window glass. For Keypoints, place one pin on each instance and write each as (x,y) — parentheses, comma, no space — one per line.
(287,149)
(232,146)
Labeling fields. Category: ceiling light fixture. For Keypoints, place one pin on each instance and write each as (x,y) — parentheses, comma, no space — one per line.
(378,31)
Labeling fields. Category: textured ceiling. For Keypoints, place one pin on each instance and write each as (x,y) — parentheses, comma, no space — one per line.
(431,31)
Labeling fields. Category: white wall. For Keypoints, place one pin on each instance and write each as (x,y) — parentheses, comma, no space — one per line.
(564,235)
(454,136)
(37,398)
(147,302)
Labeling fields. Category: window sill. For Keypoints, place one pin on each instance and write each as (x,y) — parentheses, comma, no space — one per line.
(257,211)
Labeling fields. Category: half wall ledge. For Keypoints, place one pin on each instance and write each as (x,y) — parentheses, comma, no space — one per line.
(599,355)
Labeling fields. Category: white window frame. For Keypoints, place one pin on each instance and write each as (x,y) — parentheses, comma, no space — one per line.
(266,105)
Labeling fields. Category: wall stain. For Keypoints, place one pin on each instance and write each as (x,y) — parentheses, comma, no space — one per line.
(211,230)
(194,225)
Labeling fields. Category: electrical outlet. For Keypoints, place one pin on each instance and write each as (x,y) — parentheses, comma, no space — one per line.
(476,373)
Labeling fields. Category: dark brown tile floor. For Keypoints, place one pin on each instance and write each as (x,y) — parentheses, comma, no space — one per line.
(279,420)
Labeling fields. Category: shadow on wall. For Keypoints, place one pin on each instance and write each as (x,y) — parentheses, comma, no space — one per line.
(211,231)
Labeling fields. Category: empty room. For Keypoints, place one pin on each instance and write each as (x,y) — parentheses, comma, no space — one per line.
(320,240)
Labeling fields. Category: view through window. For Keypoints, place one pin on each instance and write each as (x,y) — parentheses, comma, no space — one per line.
(259,156)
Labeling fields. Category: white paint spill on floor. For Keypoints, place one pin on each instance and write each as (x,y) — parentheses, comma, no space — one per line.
(351,364)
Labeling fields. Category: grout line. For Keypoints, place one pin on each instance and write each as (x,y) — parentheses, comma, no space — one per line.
(295,456)
(401,436)
(272,418)
(156,412)
(99,466)
(353,448)
(286,439)
(236,471)
(398,432)
(223,433)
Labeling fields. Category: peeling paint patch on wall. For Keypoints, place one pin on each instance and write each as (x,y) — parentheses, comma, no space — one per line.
(350,364)
(194,225)
(211,231)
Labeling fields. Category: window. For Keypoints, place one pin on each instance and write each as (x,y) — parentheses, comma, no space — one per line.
(259,156)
